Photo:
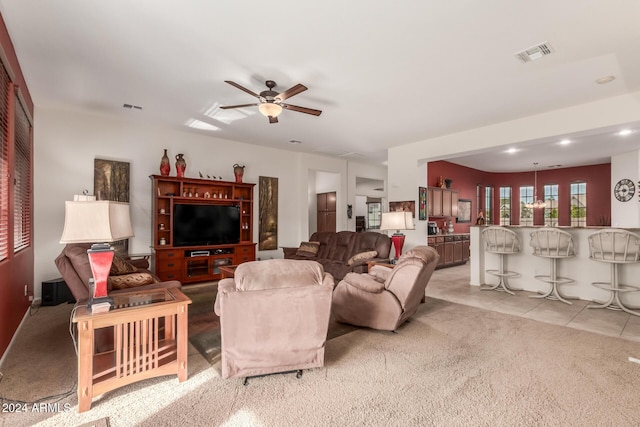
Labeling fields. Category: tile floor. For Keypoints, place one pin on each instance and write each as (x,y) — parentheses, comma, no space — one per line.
(452,284)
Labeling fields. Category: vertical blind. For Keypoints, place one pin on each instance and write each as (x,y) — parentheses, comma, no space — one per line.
(4,162)
(22,179)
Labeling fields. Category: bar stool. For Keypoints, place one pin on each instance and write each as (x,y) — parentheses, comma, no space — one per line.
(615,246)
(501,241)
(554,244)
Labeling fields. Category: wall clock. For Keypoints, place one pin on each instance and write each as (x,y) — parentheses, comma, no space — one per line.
(624,190)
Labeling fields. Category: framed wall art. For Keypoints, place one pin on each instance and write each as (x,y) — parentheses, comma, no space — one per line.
(408,206)
(268,210)
(464,210)
(422,203)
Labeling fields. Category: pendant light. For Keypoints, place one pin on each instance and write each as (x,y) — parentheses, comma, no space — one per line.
(537,204)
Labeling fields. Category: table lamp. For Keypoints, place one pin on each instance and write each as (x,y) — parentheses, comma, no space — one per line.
(98,222)
(397,221)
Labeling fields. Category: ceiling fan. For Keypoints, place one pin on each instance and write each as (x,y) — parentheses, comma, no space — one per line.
(271,104)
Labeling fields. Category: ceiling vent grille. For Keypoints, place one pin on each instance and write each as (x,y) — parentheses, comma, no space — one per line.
(535,52)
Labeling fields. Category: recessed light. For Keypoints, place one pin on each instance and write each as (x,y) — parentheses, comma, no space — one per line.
(625,132)
(512,150)
(565,142)
(605,80)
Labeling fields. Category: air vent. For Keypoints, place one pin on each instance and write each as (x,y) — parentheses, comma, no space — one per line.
(535,52)
(132,107)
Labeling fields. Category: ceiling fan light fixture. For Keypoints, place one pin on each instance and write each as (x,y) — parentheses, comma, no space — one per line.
(270,109)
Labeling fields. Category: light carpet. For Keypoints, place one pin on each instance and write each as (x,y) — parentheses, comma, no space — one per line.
(452,365)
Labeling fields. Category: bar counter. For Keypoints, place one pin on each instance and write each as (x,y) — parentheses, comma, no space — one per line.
(579,268)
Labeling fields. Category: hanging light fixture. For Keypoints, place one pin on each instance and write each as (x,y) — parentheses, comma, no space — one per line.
(537,204)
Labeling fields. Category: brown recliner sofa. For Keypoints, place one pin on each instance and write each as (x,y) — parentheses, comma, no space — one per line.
(337,249)
(385,298)
(274,317)
(73,264)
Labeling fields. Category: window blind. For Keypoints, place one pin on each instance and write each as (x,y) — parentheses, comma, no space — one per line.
(5,81)
(22,178)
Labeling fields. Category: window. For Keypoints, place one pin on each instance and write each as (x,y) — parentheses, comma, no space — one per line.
(505,205)
(374,215)
(526,197)
(551,205)
(22,179)
(578,206)
(488,204)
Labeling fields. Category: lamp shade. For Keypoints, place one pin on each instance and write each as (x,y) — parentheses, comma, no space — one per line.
(397,221)
(270,109)
(96,221)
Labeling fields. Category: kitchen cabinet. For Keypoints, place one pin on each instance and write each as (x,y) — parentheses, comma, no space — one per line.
(442,202)
(453,249)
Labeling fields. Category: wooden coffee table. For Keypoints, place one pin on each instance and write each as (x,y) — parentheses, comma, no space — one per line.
(149,340)
(228,271)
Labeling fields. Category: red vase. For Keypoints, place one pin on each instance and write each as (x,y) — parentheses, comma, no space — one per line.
(181,165)
(238,171)
(165,166)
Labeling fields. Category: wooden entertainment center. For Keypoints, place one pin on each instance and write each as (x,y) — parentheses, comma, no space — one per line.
(198,263)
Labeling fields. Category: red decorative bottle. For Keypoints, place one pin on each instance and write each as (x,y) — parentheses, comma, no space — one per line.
(181,165)
(165,166)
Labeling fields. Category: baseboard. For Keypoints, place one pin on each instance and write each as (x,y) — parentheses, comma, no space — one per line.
(15,334)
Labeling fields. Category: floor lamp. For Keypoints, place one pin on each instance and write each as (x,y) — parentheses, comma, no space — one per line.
(98,222)
(397,221)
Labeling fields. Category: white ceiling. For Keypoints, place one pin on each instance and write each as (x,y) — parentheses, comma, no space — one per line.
(384,73)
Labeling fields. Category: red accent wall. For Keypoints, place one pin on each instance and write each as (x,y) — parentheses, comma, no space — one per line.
(17,270)
(466,180)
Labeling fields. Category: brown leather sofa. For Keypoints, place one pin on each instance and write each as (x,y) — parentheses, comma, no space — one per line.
(274,317)
(337,249)
(73,264)
(385,298)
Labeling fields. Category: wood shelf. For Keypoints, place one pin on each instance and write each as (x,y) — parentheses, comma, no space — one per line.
(176,262)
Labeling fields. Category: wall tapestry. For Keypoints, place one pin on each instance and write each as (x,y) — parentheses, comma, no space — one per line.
(422,203)
(268,206)
(111,182)
(408,206)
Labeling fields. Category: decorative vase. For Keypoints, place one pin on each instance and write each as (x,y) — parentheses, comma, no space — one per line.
(238,171)
(165,166)
(448,182)
(181,165)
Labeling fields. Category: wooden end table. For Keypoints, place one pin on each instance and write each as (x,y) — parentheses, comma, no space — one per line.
(150,336)
(228,271)
(384,264)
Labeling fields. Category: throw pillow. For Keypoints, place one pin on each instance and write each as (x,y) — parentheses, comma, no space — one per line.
(362,256)
(120,266)
(132,280)
(309,249)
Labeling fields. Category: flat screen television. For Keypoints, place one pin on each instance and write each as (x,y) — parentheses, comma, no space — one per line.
(205,225)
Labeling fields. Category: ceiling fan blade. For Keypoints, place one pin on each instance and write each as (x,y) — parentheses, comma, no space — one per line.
(273,119)
(242,88)
(291,92)
(237,106)
(302,109)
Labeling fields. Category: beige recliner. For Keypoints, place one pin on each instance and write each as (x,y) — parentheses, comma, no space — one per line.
(274,317)
(385,298)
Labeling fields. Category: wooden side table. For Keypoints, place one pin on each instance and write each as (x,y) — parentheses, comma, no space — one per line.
(384,264)
(150,336)
(228,271)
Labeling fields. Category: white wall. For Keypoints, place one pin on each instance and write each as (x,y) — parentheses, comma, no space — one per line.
(625,166)
(67,142)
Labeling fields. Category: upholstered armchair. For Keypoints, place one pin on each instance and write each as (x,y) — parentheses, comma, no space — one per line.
(274,317)
(385,298)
